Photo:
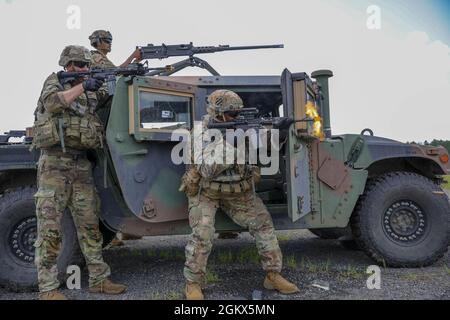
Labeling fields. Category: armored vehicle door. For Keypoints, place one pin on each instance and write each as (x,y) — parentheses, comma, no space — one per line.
(144,114)
(297,90)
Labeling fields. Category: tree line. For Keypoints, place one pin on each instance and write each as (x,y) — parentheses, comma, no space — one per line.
(444,143)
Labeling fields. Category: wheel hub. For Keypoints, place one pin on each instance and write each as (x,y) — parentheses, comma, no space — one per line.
(405,222)
(22,238)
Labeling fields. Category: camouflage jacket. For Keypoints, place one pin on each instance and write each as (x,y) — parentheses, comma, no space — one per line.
(51,102)
(99,60)
(81,127)
(219,171)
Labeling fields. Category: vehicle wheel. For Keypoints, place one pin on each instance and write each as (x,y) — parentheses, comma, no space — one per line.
(18,231)
(330,233)
(402,220)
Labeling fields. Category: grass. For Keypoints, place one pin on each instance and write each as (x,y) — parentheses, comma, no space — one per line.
(424,276)
(306,265)
(155,296)
(283,237)
(447,269)
(410,277)
(162,254)
(248,255)
(352,272)
(291,262)
(179,255)
(211,276)
(165,254)
(446,183)
(135,252)
(225,257)
(173,295)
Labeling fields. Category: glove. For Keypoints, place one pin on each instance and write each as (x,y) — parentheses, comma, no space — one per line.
(190,182)
(92,84)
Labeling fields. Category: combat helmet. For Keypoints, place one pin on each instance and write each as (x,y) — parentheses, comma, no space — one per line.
(74,53)
(221,101)
(99,34)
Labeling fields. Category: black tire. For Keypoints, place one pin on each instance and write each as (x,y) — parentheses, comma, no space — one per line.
(17,236)
(402,220)
(330,233)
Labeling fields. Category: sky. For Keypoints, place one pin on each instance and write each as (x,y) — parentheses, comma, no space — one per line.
(394,79)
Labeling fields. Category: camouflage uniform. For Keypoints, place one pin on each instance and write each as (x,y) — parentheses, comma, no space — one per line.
(65,181)
(99,59)
(231,188)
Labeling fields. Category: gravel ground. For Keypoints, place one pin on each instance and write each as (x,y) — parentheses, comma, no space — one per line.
(152,269)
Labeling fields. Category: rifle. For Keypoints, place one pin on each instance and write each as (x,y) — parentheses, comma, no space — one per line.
(109,75)
(165,51)
(248,119)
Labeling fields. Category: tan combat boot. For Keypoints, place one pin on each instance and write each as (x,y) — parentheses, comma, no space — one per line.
(126,237)
(193,291)
(116,242)
(108,287)
(52,295)
(274,280)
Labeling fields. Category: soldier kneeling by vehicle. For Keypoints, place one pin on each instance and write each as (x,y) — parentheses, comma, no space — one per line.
(230,187)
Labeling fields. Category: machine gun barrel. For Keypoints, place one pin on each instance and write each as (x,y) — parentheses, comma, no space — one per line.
(165,51)
(199,50)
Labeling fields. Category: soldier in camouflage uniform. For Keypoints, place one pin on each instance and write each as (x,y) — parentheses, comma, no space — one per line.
(230,187)
(65,174)
(101,40)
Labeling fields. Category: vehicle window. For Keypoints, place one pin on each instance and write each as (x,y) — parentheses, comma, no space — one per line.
(164,111)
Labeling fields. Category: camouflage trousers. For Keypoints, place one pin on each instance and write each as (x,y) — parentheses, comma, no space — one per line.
(66,182)
(245,209)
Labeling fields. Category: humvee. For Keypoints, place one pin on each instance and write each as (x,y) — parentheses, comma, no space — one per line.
(382,194)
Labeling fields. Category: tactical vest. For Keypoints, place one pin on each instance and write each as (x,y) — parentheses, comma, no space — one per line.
(231,181)
(77,127)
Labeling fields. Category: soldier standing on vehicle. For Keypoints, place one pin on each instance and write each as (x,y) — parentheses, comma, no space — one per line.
(101,40)
(230,187)
(65,173)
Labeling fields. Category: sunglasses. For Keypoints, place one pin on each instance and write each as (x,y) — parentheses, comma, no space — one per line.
(81,64)
(106,40)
